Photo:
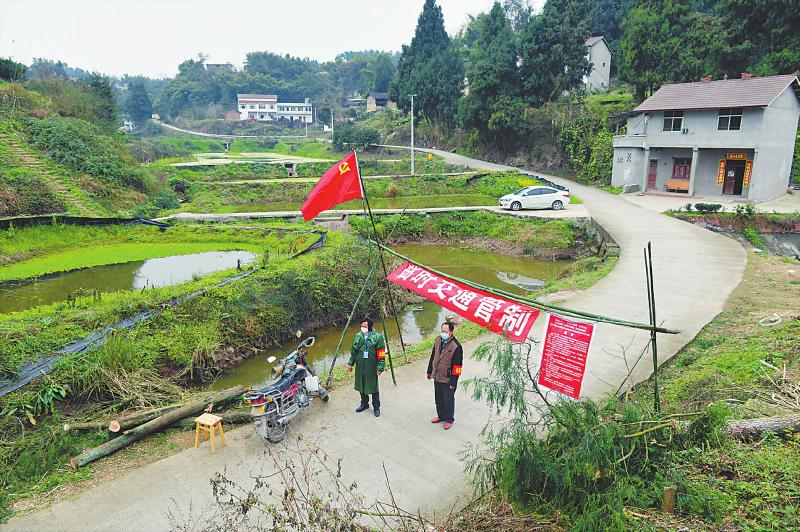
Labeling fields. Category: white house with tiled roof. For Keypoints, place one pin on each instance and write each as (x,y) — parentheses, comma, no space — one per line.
(266,108)
(598,53)
(732,137)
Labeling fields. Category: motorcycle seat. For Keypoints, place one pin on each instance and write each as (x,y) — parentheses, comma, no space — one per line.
(286,380)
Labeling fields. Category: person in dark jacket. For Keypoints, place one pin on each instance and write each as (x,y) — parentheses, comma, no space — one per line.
(444,368)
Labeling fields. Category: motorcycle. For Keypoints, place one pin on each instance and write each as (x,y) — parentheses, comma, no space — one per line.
(274,405)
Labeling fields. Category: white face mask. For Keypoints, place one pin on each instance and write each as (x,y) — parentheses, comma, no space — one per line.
(365,330)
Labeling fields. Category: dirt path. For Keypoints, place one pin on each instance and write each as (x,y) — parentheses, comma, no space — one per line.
(53,181)
(695,271)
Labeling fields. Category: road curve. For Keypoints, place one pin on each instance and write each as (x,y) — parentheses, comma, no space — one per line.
(695,271)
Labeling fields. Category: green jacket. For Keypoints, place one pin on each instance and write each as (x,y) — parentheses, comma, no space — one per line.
(366,369)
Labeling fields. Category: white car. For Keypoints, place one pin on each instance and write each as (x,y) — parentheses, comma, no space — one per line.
(535,197)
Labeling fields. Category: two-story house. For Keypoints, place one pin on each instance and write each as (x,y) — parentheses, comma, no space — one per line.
(598,53)
(265,107)
(732,137)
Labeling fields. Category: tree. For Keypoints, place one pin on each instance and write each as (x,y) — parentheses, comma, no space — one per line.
(518,12)
(431,68)
(764,34)
(11,70)
(104,104)
(493,70)
(652,44)
(383,70)
(139,106)
(553,51)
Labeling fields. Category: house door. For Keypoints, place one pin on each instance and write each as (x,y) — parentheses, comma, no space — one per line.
(734,178)
(652,173)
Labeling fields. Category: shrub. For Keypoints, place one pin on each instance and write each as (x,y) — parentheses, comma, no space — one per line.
(351,137)
(754,237)
(708,208)
(81,146)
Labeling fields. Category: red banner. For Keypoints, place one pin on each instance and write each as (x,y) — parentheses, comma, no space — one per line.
(566,346)
(496,314)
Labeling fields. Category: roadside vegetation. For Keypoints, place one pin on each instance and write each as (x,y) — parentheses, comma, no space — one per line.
(605,466)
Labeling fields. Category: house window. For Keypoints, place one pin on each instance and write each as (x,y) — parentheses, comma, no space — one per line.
(262,106)
(730,119)
(252,107)
(243,106)
(673,120)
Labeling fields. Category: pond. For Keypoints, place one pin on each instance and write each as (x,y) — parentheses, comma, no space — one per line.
(514,274)
(151,273)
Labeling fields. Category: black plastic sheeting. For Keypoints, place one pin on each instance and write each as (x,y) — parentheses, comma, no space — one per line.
(28,221)
(44,365)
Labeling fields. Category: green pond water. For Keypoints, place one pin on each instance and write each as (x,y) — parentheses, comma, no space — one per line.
(152,273)
(402,202)
(514,274)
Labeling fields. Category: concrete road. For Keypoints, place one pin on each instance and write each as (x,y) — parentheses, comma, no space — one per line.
(695,271)
(570,211)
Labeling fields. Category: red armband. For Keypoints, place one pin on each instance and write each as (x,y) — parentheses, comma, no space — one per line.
(381,353)
(456,371)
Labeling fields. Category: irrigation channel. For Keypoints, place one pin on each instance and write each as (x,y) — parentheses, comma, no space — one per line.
(150,273)
(516,274)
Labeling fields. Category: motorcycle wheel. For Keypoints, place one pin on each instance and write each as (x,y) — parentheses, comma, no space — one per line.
(276,434)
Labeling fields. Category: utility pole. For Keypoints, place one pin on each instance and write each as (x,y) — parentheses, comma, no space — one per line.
(331,124)
(412,133)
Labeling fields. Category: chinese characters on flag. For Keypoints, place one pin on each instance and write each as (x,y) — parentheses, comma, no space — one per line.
(566,345)
(497,315)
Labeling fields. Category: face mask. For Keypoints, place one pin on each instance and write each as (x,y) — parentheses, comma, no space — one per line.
(445,336)
(365,330)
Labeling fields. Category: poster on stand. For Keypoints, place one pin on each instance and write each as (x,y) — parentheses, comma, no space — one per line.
(564,352)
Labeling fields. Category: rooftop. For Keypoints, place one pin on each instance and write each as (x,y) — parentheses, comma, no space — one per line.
(257,96)
(718,94)
(591,41)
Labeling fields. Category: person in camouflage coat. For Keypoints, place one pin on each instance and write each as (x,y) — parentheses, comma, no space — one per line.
(368,357)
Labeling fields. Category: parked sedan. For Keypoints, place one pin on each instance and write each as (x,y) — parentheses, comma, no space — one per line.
(535,197)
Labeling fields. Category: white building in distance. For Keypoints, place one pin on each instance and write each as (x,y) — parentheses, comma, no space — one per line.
(266,108)
(599,55)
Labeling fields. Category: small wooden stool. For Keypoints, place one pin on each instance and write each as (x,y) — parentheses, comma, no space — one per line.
(207,423)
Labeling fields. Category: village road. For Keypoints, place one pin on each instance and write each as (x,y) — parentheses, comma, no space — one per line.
(695,271)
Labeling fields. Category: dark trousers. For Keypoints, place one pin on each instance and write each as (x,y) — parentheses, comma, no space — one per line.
(376,400)
(445,401)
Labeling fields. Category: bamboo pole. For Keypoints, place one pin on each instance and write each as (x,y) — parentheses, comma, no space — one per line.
(137,418)
(555,309)
(162,422)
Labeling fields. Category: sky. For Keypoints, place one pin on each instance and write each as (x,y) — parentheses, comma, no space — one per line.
(151,37)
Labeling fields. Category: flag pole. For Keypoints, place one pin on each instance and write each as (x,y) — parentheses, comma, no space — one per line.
(368,213)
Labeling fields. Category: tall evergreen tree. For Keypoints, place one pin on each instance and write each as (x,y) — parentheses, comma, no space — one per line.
(139,106)
(103,103)
(383,70)
(430,68)
(493,69)
(553,51)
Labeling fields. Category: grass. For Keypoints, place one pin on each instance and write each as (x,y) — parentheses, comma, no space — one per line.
(758,483)
(401,202)
(39,250)
(530,233)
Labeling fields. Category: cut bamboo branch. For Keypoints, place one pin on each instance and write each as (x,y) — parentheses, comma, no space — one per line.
(137,418)
(155,425)
(89,425)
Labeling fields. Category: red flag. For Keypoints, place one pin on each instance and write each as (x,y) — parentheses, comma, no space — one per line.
(339,184)
(501,316)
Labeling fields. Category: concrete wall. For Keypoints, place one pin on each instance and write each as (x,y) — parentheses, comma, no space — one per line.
(773,161)
(600,75)
(666,158)
(705,180)
(703,133)
(627,167)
